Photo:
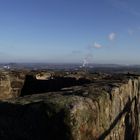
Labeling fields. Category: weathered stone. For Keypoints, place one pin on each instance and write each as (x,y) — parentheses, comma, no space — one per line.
(106,108)
(11,84)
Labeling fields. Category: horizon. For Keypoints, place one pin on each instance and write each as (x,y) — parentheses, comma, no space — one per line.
(72,31)
(69,63)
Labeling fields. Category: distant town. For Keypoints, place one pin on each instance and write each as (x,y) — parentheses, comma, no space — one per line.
(107,68)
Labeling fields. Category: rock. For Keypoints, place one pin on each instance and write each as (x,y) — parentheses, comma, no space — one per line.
(44,75)
(101,109)
(11,84)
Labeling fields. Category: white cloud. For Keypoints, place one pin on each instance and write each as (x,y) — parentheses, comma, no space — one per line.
(112,36)
(97,45)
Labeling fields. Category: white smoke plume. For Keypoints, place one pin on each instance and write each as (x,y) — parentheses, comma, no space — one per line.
(85,62)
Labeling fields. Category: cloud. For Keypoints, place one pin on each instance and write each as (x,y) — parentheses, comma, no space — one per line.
(97,45)
(130,32)
(112,36)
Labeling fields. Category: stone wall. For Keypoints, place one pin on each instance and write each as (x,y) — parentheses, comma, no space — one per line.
(11,84)
(105,109)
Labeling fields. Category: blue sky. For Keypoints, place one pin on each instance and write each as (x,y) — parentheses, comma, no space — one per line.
(98,31)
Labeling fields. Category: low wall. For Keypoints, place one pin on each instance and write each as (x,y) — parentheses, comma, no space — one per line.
(104,109)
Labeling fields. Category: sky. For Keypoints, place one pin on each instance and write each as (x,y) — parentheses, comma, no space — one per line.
(70,31)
